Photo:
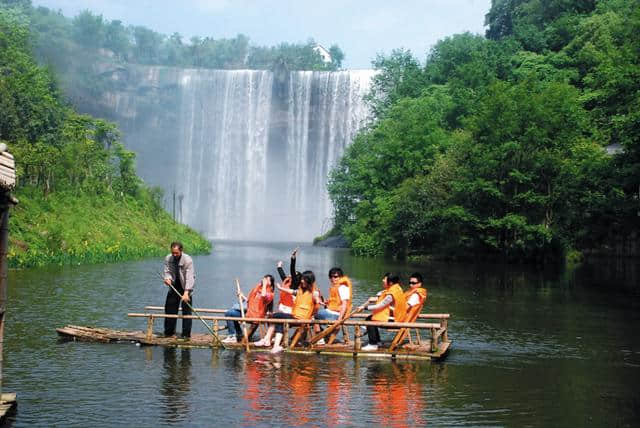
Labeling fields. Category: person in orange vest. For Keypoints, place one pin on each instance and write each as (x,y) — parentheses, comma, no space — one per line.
(257,304)
(340,293)
(416,294)
(390,299)
(302,310)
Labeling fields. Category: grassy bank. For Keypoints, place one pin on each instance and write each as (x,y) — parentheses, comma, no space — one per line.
(68,228)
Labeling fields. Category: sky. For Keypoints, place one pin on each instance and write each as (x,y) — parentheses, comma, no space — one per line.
(362,28)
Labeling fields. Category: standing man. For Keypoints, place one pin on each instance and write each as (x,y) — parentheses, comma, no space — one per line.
(178,271)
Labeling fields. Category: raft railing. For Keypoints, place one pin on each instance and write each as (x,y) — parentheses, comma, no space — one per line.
(438,336)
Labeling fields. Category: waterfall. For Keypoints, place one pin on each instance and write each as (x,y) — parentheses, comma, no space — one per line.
(245,155)
(222,161)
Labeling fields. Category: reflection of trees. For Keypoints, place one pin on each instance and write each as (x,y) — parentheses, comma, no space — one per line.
(176,384)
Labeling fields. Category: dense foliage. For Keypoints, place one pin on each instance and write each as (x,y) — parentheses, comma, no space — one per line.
(73,171)
(496,145)
(59,39)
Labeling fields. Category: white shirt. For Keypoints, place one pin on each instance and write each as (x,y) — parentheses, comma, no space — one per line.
(414,300)
(343,292)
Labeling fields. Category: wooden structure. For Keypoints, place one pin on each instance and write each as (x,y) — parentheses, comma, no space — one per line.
(7,183)
(435,344)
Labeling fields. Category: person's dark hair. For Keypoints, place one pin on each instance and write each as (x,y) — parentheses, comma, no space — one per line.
(308,279)
(335,270)
(392,278)
(176,244)
(271,281)
(417,276)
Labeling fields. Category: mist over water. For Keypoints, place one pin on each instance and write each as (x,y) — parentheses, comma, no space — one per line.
(246,152)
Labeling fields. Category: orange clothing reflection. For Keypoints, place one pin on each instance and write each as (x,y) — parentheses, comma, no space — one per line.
(257,391)
(300,379)
(338,393)
(397,396)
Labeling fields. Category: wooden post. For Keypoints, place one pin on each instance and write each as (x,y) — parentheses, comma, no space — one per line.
(357,341)
(150,327)
(445,336)
(345,334)
(434,343)
(285,333)
(7,183)
(4,241)
(215,328)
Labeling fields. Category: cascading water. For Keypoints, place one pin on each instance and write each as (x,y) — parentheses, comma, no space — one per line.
(222,161)
(246,155)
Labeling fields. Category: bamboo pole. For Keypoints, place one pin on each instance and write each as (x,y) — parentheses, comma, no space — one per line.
(215,334)
(327,331)
(222,311)
(244,324)
(383,324)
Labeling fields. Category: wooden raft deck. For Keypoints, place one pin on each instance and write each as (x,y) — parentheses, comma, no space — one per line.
(436,346)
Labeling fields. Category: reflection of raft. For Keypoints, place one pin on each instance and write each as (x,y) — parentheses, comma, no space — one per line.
(407,341)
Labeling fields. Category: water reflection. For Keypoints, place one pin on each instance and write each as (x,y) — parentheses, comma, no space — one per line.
(568,337)
(176,384)
(339,393)
(397,394)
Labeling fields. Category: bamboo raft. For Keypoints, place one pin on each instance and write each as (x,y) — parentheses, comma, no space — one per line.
(412,346)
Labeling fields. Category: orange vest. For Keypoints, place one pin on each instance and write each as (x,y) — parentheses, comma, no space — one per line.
(334,303)
(421,292)
(256,304)
(303,306)
(286,299)
(399,305)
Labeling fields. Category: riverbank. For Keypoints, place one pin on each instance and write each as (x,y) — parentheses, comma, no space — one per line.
(67,228)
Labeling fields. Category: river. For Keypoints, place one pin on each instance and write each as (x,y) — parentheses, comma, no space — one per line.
(531,347)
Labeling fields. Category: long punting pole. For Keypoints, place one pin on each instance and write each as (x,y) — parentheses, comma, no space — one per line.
(244,324)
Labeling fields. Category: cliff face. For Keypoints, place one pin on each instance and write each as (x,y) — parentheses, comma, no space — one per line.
(247,152)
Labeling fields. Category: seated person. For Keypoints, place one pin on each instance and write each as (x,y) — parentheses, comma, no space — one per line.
(260,301)
(302,309)
(291,282)
(415,295)
(391,296)
(340,293)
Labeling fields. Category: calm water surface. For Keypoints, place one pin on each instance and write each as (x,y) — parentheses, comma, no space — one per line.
(531,348)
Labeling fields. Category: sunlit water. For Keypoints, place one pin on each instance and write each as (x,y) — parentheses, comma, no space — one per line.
(531,348)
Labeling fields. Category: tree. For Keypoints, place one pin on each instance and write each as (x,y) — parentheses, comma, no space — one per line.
(117,39)
(88,30)
(337,56)
(147,45)
(399,76)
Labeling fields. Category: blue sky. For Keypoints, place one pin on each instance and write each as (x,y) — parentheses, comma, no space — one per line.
(361,28)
